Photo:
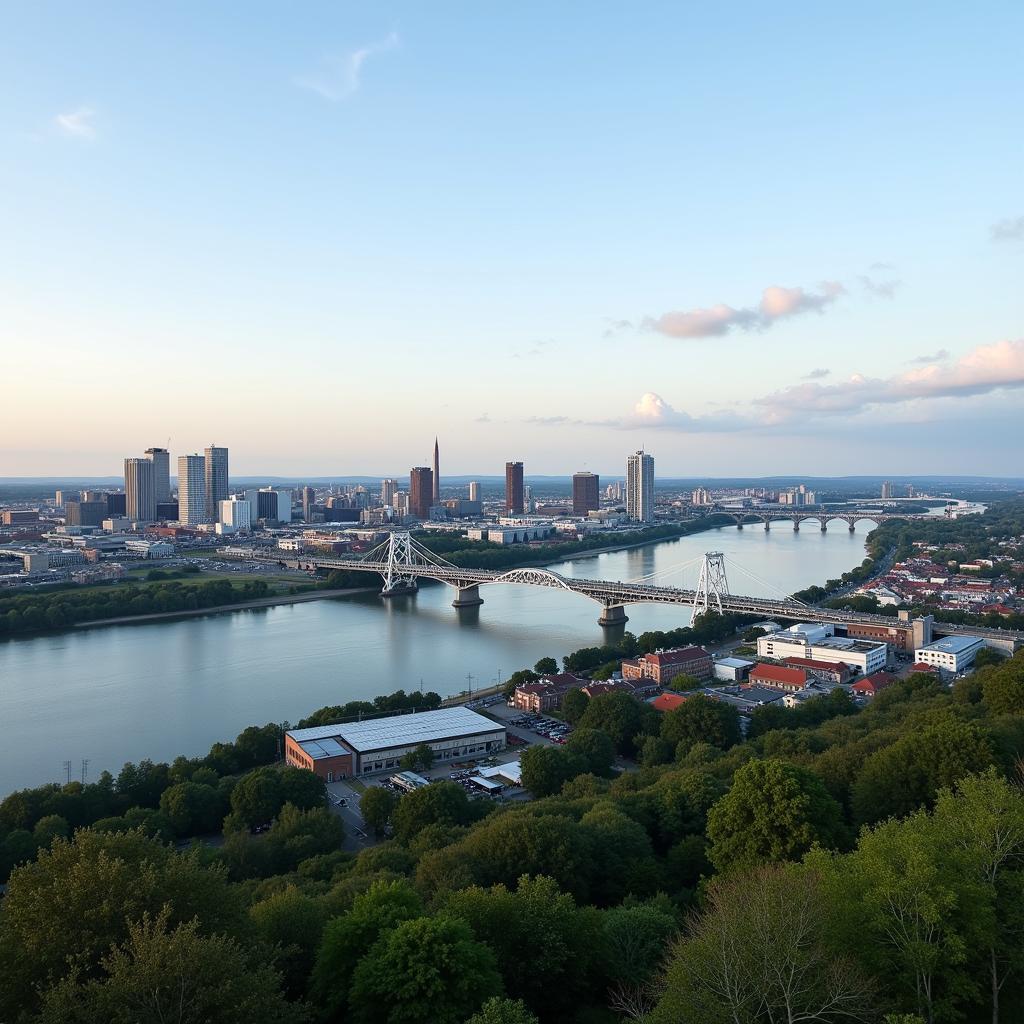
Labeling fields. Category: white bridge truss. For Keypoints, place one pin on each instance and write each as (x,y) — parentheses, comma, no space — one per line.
(401,561)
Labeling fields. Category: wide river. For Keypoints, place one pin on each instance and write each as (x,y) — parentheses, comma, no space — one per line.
(122,693)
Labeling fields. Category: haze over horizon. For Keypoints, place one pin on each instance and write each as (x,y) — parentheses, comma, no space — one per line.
(319,238)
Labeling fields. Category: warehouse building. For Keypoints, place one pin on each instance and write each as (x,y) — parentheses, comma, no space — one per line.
(362,748)
(818,642)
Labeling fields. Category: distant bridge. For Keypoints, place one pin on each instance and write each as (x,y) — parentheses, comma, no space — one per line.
(402,561)
(822,517)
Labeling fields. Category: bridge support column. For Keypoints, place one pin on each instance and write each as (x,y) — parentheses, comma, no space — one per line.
(853,529)
(767,525)
(400,587)
(613,615)
(796,525)
(739,526)
(824,527)
(467,597)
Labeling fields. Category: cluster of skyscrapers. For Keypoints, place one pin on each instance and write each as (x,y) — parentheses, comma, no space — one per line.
(202,486)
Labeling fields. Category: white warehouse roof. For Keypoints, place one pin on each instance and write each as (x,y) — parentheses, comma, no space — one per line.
(402,730)
(953,644)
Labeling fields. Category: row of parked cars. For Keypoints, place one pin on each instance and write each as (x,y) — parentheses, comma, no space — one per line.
(485,702)
(552,728)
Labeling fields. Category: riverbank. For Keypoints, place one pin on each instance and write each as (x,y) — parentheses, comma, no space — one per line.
(238,606)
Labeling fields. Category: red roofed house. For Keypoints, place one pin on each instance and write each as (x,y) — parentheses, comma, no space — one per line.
(872,685)
(667,701)
(778,677)
(920,666)
(827,671)
(547,694)
(664,666)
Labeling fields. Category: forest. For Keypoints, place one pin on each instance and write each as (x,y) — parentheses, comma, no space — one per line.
(831,863)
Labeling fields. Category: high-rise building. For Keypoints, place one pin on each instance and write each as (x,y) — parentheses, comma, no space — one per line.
(236,513)
(388,489)
(886,488)
(117,504)
(436,496)
(61,497)
(514,489)
(216,480)
(161,459)
(192,490)
(474,491)
(910,490)
(421,491)
(84,513)
(640,487)
(140,503)
(586,491)
(308,500)
(701,496)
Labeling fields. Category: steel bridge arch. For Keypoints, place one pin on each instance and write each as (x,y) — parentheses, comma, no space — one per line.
(536,577)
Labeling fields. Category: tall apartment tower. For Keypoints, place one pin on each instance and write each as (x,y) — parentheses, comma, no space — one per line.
(474,491)
(140,493)
(216,480)
(388,490)
(436,496)
(514,489)
(192,490)
(161,459)
(308,501)
(586,493)
(421,491)
(640,487)
(887,489)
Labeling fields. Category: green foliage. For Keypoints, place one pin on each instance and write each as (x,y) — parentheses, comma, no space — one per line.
(594,747)
(898,779)
(574,703)
(700,719)
(774,811)
(546,667)
(619,716)
(161,973)
(261,794)
(503,1011)
(424,971)
(347,939)
(440,803)
(546,769)
(78,898)
(377,805)
(419,758)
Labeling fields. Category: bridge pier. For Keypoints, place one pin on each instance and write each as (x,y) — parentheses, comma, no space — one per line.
(613,615)
(853,529)
(796,525)
(400,587)
(468,597)
(767,525)
(824,526)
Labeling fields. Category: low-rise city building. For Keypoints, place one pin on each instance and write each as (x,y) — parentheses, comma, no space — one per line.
(353,749)
(778,677)
(818,642)
(663,666)
(950,654)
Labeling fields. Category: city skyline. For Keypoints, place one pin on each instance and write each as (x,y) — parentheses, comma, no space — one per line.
(799,263)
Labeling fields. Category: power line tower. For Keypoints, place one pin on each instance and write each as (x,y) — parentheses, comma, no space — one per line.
(711,584)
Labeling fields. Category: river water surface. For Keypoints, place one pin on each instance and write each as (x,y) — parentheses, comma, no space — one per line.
(122,693)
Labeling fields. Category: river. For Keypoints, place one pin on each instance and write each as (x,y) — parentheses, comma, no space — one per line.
(122,693)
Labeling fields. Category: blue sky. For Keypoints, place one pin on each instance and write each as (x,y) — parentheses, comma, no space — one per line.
(753,238)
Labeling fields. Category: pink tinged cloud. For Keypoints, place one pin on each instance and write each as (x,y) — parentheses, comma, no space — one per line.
(982,370)
(777,303)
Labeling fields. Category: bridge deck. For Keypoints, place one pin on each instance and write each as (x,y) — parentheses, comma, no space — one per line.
(611,593)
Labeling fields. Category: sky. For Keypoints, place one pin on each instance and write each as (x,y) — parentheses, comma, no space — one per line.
(751,238)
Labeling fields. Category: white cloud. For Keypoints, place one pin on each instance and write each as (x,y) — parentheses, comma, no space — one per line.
(1010,229)
(78,123)
(816,374)
(985,369)
(777,303)
(936,357)
(340,77)
(882,289)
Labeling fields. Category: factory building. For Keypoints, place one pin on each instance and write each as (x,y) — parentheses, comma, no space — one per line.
(951,653)
(363,748)
(818,642)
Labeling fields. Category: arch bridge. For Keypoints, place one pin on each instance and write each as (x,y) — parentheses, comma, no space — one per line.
(743,517)
(401,562)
